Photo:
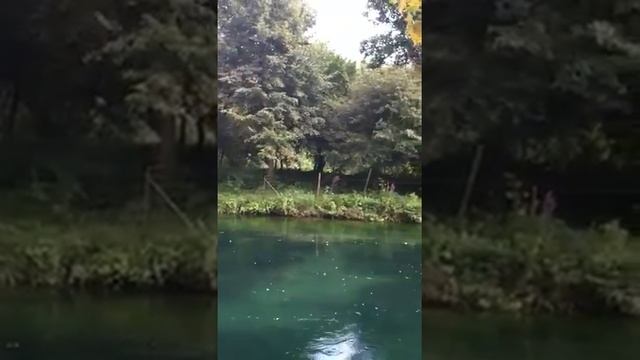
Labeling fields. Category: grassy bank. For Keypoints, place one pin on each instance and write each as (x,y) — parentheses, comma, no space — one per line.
(104,251)
(376,207)
(531,265)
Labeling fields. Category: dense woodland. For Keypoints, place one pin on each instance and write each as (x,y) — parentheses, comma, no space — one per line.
(92,95)
(542,97)
(550,89)
(530,111)
(94,92)
(285,102)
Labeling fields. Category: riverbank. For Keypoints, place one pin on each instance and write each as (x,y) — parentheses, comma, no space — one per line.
(375,207)
(531,265)
(115,251)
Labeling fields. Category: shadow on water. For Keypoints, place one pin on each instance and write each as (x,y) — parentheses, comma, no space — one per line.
(450,336)
(318,290)
(44,325)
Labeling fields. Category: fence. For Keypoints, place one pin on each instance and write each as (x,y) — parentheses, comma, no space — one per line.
(252,179)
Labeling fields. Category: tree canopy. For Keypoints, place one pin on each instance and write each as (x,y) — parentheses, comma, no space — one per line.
(110,71)
(532,79)
(284,99)
(400,45)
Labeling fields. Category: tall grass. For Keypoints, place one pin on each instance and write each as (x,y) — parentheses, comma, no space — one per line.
(531,265)
(291,202)
(106,251)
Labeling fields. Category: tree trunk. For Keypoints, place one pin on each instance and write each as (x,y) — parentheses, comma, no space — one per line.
(271,169)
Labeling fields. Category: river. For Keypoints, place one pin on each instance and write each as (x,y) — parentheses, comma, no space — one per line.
(298,289)
(50,326)
(318,289)
(451,336)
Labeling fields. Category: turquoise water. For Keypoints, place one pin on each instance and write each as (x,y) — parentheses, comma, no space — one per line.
(312,289)
(48,326)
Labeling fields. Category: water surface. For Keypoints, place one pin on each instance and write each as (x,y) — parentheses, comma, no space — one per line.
(317,289)
(451,336)
(49,326)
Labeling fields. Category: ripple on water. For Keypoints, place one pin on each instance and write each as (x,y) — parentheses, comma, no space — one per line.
(344,344)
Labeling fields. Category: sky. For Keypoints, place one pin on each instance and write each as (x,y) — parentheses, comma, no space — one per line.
(342,25)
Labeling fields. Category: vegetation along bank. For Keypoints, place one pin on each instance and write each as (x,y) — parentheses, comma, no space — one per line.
(376,207)
(530,265)
(115,251)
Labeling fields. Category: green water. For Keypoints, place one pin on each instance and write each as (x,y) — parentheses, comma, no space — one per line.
(450,336)
(314,289)
(47,326)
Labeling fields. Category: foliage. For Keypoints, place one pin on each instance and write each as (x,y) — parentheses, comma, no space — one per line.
(269,92)
(541,82)
(121,254)
(102,71)
(379,124)
(531,265)
(396,46)
(412,11)
(165,58)
(379,207)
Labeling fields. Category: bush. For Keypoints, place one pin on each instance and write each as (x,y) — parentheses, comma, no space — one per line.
(106,253)
(531,264)
(377,207)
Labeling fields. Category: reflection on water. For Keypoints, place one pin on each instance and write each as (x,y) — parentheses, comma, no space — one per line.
(318,290)
(49,326)
(344,344)
(453,336)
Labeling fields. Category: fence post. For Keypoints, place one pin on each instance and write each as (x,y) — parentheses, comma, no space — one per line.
(366,184)
(470,181)
(318,186)
(266,182)
(185,219)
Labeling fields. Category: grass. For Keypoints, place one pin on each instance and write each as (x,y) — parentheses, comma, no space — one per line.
(292,202)
(112,251)
(531,265)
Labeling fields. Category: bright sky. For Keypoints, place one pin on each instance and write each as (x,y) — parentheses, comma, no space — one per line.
(341,24)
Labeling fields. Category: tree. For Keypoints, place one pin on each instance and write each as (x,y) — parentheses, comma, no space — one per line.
(412,11)
(165,58)
(42,61)
(396,46)
(379,124)
(270,90)
(539,82)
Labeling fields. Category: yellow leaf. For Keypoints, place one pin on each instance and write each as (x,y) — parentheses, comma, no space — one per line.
(414,30)
(413,5)
(411,10)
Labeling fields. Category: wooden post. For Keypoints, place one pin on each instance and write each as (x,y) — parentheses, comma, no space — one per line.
(366,184)
(171,204)
(318,186)
(470,181)
(266,182)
